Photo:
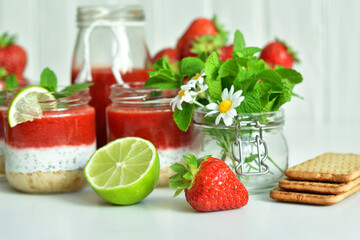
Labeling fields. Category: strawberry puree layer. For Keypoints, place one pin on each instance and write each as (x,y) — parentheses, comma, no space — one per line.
(155,125)
(103,78)
(73,127)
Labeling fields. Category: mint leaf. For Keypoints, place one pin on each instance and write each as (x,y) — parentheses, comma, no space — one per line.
(190,66)
(11,83)
(163,79)
(183,117)
(75,87)
(229,68)
(271,77)
(48,80)
(212,66)
(285,95)
(249,51)
(290,74)
(251,103)
(162,63)
(239,41)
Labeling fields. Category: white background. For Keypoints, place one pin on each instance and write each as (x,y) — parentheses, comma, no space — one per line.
(325,33)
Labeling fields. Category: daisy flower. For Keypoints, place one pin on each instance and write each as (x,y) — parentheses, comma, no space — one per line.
(226,108)
(197,79)
(183,95)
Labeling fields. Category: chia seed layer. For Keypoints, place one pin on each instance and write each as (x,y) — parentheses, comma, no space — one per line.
(168,157)
(63,158)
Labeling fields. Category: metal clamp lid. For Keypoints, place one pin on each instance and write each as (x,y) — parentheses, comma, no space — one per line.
(262,156)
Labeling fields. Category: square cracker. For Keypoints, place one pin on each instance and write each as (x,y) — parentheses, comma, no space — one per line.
(310,198)
(317,187)
(329,167)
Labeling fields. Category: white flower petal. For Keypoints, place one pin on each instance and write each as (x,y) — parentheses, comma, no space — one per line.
(227,119)
(231,91)
(217,120)
(212,106)
(225,94)
(232,112)
(211,113)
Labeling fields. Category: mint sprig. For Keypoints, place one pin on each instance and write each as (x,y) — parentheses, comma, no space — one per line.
(264,89)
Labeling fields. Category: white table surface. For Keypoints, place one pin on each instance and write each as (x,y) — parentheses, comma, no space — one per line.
(84,215)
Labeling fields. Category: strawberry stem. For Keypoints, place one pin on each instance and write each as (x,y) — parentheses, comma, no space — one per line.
(7,40)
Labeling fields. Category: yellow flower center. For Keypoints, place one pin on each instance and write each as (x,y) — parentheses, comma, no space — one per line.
(225,106)
(181,94)
(196,77)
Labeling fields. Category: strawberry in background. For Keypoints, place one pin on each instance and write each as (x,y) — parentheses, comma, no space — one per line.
(278,53)
(13,57)
(202,36)
(226,52)
(172,54)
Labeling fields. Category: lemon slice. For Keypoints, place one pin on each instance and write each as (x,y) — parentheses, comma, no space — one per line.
(26,105)
(124,171)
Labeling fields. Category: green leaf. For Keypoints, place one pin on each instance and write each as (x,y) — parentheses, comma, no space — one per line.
(162,63)
(163,79)
(75,87)
(190,66)
(290,74)
(11,83)
(48,80)
(183,117)
(239,41)
(212,66)
(249,51)
(229,68)
(188,176)
(175,184)
(271,77)
(285,95)
(251,103)
(178,168)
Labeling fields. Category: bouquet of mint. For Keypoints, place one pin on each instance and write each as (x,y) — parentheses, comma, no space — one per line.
(225,90)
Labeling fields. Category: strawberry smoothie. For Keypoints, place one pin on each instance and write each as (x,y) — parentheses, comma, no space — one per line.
(2,141)
(103,78)
(48,154)
(134,112)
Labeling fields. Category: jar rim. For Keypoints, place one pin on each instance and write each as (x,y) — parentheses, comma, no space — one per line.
(134,93)
(63,99)
(265,119)
(127,13)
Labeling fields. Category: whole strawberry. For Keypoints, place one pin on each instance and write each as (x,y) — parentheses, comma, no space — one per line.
(209,185)
(12,56)
(202,36)
(278,53)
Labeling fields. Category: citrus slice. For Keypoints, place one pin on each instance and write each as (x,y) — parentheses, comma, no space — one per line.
(26,105)
(124,171)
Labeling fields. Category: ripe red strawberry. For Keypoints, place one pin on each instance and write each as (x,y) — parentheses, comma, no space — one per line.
(209,185)
(226,52)
(278,53)
(171,53)
(203,35)
(12,56)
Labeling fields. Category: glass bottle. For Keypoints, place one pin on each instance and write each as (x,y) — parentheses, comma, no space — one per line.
(110,48)
(47,155)
(221,142)
(3,108)
(146,113)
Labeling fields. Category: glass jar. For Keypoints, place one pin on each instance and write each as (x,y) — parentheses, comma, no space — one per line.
(146,113)
(221,142)
(3,108)
(47,155)
(110,48)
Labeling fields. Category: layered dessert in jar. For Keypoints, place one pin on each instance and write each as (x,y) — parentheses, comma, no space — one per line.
(146,113)
(47,155)
(2,141)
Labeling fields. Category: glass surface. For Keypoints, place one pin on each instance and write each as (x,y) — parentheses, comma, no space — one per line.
(217,140)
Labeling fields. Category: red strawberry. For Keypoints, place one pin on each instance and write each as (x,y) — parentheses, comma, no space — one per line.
(12,56)
(171,53)
(210,185)
(226,52)
(203,35)
(278,53)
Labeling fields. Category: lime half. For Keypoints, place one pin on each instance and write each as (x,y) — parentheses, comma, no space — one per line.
(26,105)
(124,171)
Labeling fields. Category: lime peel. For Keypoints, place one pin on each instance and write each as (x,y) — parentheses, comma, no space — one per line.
(124,171)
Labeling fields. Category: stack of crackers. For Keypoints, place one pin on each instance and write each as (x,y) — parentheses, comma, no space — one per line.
(324,180)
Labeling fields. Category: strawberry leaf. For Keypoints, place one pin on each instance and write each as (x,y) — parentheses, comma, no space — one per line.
(178,168)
